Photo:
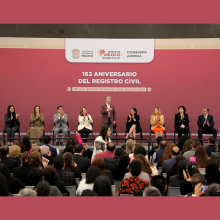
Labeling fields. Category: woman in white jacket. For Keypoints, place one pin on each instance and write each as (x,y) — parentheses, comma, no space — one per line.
(85,124)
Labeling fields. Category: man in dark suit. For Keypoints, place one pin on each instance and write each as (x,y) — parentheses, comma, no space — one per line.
(7,161)
(82,163)
(206,123)
(211,146)
(108,114)
(67,177)
(111,162)
(168,163)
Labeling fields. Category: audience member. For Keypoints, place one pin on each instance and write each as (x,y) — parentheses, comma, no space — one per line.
(130,136)
(67,177)
(27,143)
(43,188)
(69,149)
(212,172)
(200,156)
(70,166)
(139,149)
(191,153)
(151,191)
(156,148)
(133,185)
(21,145)
(211,146)
(46,153)
(82,163)
(187,146)
(88,192)
(182,141)
(213,190)
(98,162)
(130,147)
(186,185)
(159,182)
(4,186)
(160,152)
(22,172)
(88,183)
(110,150)
(36,175)
(175,180)
(54,151)
(11,164)
(50,175)
(168,163)
(15,154)
(27,192)
(102,186)
(36,160)
(216,154)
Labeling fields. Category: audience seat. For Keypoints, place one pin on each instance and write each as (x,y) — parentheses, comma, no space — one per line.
(202,171)
(126,195)
(72,190)
(117,185)
(113,190)
(160,170)
(173,191)
(83,175)
(77,181)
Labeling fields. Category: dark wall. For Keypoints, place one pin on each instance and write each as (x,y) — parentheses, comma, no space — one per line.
(111,30)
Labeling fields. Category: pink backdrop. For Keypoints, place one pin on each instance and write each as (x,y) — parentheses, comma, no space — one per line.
(32,77)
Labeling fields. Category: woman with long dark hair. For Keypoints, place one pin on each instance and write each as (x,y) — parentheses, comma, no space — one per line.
(27,143)
(101,141)
(12,124)
(37,124)
(181,122)
(133,124)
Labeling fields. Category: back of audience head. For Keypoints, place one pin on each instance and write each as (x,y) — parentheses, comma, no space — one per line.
(35,159)
(47,139)
(69,149)
(78,148)
(163,144)
(192,168)
(175,151)
(211,166)
(14,151)
(196,144)
(103,132)
(158,140)
(201,156)
(68,161)
(187,146)
(151,191)
(102,186)
(50,174)
(88,192)
(118,152)
(211,140)
(179,158)
(182,141)
(26,158)
(36,149)
(124,161)
(213,190)
(27,143)
(159,182)
(4,150)
(35,176)
(3,186)
(72,141)
(43,188)
(111,147)
(139,149)
(27,192)
(198,178)
(92,173)
(44,149)
(21,145)
(41,139)
(129,146)
(180,168)
(98,162)
(5,171)
(145,165)
(135,168)
(58,162)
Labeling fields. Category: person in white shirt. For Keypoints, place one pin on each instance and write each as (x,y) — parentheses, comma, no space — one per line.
(85,124)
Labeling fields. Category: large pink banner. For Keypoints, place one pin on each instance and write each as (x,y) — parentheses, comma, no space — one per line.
(32,77)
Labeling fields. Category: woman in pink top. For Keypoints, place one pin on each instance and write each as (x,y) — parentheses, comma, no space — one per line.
(200,156)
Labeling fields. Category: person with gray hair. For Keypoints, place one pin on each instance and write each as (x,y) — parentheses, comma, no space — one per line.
(213,190)
(27,192)
(108,114)
(151,191)
(46,153)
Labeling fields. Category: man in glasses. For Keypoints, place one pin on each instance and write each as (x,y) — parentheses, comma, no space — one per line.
(60,122)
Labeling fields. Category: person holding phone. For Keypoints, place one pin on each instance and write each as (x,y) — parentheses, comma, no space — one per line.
(60,122)
(12,124)
(157,121)
(85,124)
(37,124)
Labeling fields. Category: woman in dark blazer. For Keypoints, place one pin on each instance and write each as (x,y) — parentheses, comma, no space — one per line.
(182,122)
(133,124)
(12,123)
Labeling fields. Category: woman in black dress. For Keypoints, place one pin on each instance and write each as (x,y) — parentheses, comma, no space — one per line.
(133,124)
(12,124)
(182,122)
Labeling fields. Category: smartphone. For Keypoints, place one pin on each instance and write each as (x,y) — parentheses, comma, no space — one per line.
(204,188)
(84,144)
(72,132)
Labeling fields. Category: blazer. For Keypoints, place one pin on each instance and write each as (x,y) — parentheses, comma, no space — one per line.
(9,162)
(58,121)
(209,149)
(201,120)
(8,122)
(110,162)
(85,123)
(37,122)
(82,163)
(154,124)
(22,174)
(179,122)
(104,112)
(167,164)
